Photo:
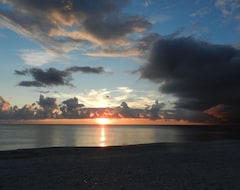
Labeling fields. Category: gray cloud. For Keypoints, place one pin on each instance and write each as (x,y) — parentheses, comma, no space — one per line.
(127,112)
(71,108)
(4,108)
(64,25)
(50,77)
(145,43)
(31,84)
(86,69)
(53,76)
(23,72)
(48,107)
(199,74)
(26,112)
(153,112)
(47,102)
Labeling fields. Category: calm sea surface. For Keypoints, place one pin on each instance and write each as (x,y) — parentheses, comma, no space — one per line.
(37,136)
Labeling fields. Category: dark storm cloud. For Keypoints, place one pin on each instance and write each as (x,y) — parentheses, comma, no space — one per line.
(64,25)
(53,76)
(201,75)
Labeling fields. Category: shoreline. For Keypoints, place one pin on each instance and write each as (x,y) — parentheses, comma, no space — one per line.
(93,121)
(205,165)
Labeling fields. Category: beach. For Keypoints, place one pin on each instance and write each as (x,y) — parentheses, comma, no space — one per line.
(205,165)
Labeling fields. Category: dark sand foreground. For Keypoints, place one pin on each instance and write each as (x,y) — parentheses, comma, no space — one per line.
(205,166)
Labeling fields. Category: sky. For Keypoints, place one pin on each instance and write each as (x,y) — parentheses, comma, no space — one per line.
(162,60)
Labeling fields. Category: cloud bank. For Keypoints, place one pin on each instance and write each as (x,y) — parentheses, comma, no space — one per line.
(48,108)
(202,76)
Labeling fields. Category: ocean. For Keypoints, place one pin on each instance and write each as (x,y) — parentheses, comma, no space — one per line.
(38,136)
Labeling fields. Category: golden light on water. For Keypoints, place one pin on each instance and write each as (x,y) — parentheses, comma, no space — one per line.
(102,138)
(102,122)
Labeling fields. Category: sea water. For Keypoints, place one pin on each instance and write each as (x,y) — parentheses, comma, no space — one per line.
(39,136)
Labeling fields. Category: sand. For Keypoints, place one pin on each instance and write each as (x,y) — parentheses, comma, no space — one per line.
(212,165)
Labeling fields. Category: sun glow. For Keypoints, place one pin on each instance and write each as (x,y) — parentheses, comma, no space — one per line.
(103,121)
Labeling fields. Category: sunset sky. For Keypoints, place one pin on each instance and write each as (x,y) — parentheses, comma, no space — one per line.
(163,60)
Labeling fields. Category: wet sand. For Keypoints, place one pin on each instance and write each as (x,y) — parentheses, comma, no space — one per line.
(212,165)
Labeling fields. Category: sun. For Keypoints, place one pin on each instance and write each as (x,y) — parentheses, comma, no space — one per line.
(103,121)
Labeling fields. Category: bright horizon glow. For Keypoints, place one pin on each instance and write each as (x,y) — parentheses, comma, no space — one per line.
(103,121)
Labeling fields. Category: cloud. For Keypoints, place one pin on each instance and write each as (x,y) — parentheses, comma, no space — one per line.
(66,25)
(50,77)
(71,108)
(198,31)
(147,3)
(199,74)
(53,76)
(230,9)
(4,105)
(147,40)
(23,72)
(86,69)
(26,112)
(47,103)
(219,111)
(38,57)
(201,12)
(118,52)
(126,112)
(155,110)
(31,84)
(144,44)
(227,6)
(47,107)
(100,98)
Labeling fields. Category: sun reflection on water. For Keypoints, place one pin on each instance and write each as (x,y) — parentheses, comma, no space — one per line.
(103,138)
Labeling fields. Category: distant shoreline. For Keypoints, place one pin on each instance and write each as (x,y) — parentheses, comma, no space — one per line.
(207,165)
(114,121)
